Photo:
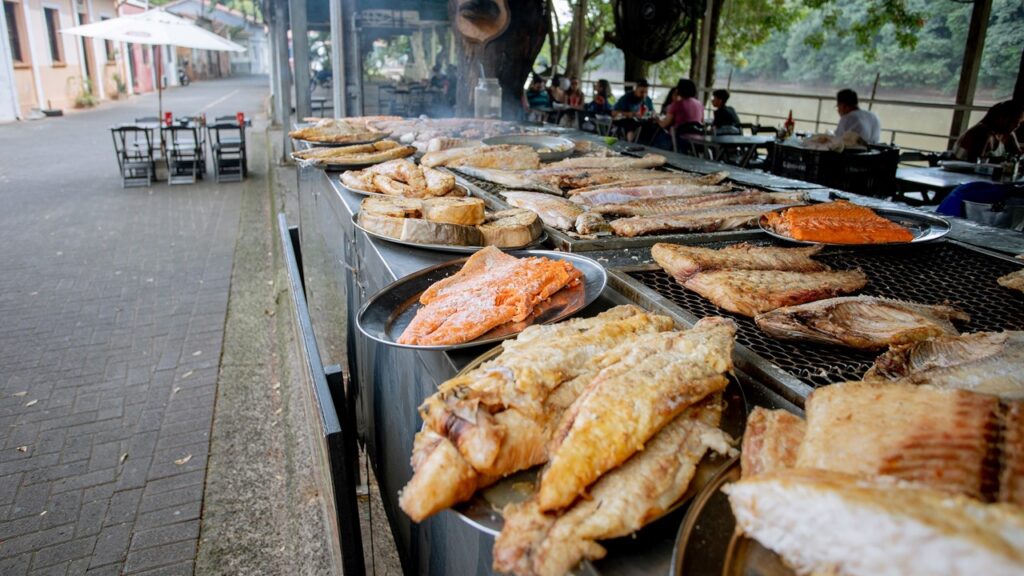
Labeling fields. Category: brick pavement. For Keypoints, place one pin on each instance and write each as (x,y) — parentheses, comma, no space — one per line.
(112,309)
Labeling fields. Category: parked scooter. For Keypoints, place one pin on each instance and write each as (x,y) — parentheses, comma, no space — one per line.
(183,79)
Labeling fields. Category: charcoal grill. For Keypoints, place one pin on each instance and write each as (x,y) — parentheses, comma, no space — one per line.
(490,192)
(943,272)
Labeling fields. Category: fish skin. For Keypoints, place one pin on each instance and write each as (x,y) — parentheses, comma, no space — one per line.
(660,177)
(682,262)
(673,205)
(641,192)
(752,292)
(510,179)
(862,322)
(576,178)
(983,362)
(554,211)
(697,220)
(616,163)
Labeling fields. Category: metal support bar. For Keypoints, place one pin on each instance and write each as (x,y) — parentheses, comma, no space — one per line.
(353,63)
(338,58)
(284,86)
(972,63)
(300,56)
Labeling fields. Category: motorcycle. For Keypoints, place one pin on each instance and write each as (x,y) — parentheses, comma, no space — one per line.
(183,79)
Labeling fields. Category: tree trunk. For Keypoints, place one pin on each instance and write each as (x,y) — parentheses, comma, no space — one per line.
(635,68)
(1018,89)
(716,21)
(508,57)
(577,41)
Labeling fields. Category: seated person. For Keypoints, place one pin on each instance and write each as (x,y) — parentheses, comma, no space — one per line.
(668,100)
(574,96)
(726,120)
(536,96)
(631,108)
(556,90)
(852,119)
(993,135)
(603,99)
(685,114)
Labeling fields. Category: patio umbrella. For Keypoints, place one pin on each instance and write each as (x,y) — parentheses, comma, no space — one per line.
(157,27)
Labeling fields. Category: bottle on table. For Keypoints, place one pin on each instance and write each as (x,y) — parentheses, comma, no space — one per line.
(790,125)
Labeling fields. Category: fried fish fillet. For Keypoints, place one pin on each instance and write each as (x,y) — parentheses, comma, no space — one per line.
(752,292)
(771,441)
(615,416)
(680,205)
(863,322)
(621,502)
(697,220)
(824,522)
(682,262)
(984,362)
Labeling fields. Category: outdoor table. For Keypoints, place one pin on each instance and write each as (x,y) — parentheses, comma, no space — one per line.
(934,179)
(719,147)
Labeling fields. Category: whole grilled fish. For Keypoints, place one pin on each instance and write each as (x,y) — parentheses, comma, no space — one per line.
(863,322)
(652,178)
(509,179)
(662,206)
(645,191)
(682,262)
(618,163)
(698,220)
(554,211)
(984,362)
(751,292)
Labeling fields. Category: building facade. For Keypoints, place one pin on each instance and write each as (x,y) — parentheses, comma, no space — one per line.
(41,68)
(233,25)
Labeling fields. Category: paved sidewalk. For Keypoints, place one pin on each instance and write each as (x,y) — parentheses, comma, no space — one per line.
(112,310)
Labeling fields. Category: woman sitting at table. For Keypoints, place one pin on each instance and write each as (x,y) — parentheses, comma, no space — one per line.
(685,114)
(603,99)
(993,135)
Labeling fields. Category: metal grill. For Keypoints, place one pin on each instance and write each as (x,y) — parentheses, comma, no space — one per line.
(940,273)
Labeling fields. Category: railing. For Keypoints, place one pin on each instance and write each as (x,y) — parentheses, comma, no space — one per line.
(659,90)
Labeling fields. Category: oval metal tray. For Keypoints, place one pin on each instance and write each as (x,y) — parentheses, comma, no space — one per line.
(376,138)
(538,141)
(387,313)
(707,542)
(447,247)
(924,227)
(483,511)
(335,166)
(460,187)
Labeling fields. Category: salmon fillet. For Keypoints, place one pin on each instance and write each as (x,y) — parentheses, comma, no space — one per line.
(838,222)
(752,292)
(491,289)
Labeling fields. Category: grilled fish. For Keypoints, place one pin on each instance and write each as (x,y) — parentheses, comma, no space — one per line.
(771,441)
(590,223)
(984,362)
(862,322)
(699,220)
(508,179)
(677,205)
(620,503)
(554,211)
(838,222)
(657,178)
(751,292)
(828,523)
(505,156)
(621,194)
(1013,280)
(682,262)
(616,163)
(614,417)
(595,176)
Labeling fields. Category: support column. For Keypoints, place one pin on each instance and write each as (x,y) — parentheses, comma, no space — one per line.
(284,86)
(31,41)
(971,64)
(338,66)
(99,64)
(275,78)
(300,57)
(353,60)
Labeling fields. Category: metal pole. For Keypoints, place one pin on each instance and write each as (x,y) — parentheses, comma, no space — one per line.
(971,64)
(300,56)
(284,74)
(275,72)
(817,117)
(353,64)
(874,90)
(338,58)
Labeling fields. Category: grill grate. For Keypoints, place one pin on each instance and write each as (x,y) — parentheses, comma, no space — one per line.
(933,274)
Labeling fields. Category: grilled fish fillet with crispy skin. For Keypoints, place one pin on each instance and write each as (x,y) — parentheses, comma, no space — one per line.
(771,441)
(1013,280)
(682,262)
(984,362)
(441,477)
(644,191)
(585,178)
(615,416)
(938,438)
(509,179)
(554,211)
(680,205)
(616,163)
(657,178)
(863,322)
(828,523)
(405,171)
(437,183)
(503,156)
(697,220)
(358,179)
(752,292)
(1011,478)
(621,502)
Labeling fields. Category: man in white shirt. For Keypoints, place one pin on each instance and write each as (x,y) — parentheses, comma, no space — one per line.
(853,119)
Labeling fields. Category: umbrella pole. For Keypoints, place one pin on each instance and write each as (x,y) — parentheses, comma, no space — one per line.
(160,82)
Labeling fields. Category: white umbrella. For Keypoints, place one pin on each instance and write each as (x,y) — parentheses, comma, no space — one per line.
(156,27)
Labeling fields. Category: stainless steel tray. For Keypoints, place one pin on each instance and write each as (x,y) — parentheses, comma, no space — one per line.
(387,313)
(925,228)
(538,141)
(376,138)
(445,247)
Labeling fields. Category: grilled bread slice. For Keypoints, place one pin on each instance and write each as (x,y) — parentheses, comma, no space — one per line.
(511,228)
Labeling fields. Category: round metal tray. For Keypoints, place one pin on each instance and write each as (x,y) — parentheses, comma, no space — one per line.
(447,247)
(924,227)
(375,138)
(387,313)
(538,141)
(483,510)
(707,542)
(460,187)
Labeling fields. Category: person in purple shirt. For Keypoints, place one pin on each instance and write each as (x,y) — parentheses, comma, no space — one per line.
(685,113)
